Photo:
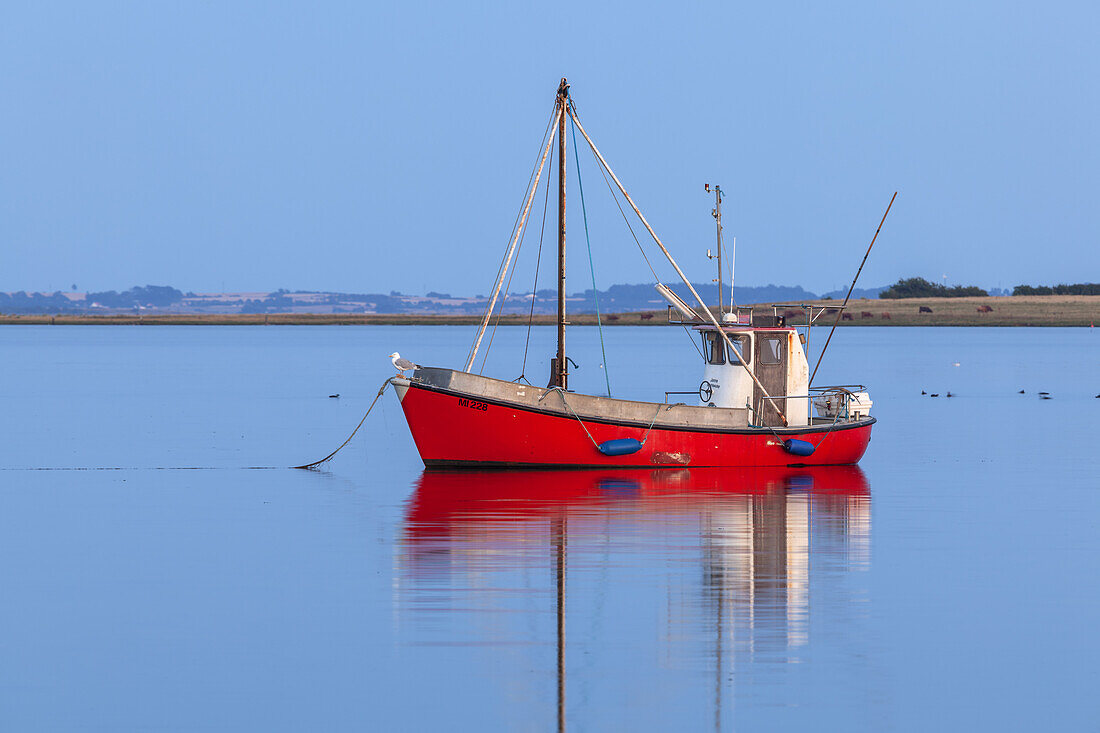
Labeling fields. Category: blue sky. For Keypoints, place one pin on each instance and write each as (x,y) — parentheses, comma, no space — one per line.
(367,147)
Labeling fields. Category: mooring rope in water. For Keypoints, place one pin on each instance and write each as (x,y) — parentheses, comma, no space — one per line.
(315,464)
(144,468)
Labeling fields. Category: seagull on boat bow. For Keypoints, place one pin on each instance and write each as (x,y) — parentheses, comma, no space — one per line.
(400,364)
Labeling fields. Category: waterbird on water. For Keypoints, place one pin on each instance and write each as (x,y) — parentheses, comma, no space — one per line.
(334,396)
(923,392)
(950,395)
(1020,392)
(934,394)
(402,365)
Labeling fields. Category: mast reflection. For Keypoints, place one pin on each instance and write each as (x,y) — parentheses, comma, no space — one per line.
(472,540)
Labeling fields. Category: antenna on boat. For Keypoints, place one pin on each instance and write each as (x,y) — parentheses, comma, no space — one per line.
(716,212)
(733,259)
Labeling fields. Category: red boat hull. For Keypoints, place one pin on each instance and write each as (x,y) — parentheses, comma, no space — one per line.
(452,430)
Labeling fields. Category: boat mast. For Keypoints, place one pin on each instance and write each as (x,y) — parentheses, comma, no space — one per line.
(559,375)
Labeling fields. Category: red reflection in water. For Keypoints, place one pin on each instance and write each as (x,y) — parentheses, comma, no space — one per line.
(444,499)
(753,531)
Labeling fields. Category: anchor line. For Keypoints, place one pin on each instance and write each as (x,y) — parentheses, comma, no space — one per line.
(327,458)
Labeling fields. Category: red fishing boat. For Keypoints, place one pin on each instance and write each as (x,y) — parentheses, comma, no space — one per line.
(755,405)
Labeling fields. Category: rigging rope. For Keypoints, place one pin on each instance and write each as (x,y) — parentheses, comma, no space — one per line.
(615,198)
(507,290)
(692,340)
(519,249)
(315,464)
(569,407)
(535,286)
(515,224)
(782,440)
(591,267)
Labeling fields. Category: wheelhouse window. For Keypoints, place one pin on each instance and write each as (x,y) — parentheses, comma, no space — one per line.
(716,350)
(740,347)
(771,350)
(714,347)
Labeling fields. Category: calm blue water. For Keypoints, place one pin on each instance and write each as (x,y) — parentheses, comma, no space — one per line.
(950,583)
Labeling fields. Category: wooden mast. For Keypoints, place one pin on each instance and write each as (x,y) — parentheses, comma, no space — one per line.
(559,375)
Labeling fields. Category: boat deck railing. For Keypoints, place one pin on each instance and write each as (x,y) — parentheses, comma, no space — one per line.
(835,401)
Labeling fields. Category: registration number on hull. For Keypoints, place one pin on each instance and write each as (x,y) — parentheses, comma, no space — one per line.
(473,404)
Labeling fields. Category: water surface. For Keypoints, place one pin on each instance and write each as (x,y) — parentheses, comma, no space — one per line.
(948,582)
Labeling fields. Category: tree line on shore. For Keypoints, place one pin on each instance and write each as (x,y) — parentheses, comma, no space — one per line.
(918,287)
(1075,289)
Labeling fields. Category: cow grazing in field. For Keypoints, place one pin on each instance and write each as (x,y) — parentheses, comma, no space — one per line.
(886,316)
(612,318)
(831,311)
(925,309)
(646,316)
(846,317)
(866,314)
(985,309)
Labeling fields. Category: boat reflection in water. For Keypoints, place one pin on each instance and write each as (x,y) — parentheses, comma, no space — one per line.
(495,547)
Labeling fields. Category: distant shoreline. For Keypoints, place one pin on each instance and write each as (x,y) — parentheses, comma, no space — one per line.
(1022,310)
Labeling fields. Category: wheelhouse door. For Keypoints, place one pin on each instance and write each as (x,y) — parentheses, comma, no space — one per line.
(771,369)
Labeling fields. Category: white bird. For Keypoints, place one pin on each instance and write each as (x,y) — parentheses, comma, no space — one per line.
(402,365)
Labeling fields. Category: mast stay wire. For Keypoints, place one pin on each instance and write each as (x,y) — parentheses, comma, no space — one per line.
(675,266)
(692,340)
(528,200)
(508,287)
(591,266)
(519,215)
(535,285)
(599,167)
(626,220)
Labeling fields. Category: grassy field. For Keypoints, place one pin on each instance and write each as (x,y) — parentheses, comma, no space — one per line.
(1021,310)
(1030,310)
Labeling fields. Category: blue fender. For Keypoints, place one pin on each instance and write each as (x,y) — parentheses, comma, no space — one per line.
(799,447)
(620,447)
